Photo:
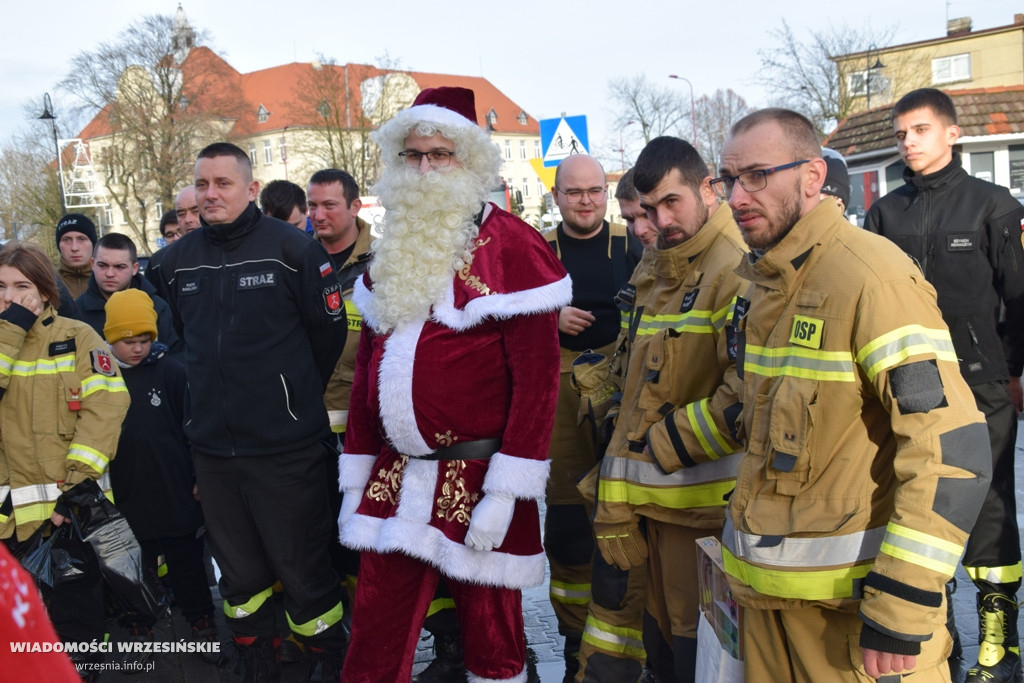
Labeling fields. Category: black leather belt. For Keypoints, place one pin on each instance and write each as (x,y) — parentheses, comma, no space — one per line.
(466,450)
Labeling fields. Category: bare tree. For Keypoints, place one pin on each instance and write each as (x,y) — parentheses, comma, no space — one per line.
(338,106)
(802,75)
(657,110)
(29,196)
(155,108)
(715,115)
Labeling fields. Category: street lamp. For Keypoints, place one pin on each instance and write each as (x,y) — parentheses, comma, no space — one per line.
(871,67)
(622,151)
(693,108)
(48,115)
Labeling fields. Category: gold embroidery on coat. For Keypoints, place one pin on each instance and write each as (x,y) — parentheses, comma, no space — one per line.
(389,481)
(455,502)
(473,281)
(446,439)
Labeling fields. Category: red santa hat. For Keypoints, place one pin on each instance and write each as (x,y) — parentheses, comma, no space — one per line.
(447,105)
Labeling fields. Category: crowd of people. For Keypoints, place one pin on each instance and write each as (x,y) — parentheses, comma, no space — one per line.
(372,427)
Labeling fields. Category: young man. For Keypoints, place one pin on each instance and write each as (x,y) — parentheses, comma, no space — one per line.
(260,309)
(452,400)
(169,228)
(629,207)
(116,268)
(284,200)
(76,237)
(152,477)
(860,479)
(966,236)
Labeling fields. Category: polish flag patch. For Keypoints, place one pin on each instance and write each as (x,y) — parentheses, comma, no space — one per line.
(326,269)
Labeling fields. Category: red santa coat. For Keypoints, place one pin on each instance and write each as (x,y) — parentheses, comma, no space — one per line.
(484,364)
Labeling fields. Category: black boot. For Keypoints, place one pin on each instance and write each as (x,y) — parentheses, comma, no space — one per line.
(258,659)
(449,665)
(572,656)
(999,651)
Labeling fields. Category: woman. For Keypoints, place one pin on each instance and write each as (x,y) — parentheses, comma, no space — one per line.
(62,401)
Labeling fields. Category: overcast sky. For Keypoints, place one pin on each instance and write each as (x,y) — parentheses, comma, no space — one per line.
(549,56)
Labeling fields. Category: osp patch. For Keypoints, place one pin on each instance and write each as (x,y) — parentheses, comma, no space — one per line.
(806,332)
(333,302)
(103,363)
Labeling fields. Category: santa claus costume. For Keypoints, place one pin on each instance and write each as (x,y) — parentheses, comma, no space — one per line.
(452,401)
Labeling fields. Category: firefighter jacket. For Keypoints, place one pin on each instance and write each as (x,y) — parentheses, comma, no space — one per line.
(340,385)
(965,234)
(866,460)
(259,306)
(680,395)
(62,403)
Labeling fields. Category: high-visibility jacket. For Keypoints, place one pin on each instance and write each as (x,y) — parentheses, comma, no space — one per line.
(866,460)
(339,386)
(680,396)
(60,413)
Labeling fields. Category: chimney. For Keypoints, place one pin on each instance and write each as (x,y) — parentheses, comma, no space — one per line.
(1018,19)
(958,27)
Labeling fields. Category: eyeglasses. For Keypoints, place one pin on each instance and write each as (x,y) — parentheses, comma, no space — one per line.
(751,181)
(438,158)
(576,196)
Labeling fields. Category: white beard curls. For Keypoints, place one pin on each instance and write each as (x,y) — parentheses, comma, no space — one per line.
(427,237)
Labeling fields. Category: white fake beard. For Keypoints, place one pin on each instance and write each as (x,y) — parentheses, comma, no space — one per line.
(427,236)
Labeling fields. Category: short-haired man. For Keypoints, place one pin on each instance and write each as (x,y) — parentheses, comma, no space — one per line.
(965,234)
(115,268)
(284,200)
(169,228)
(667,473)
(861,477)
(600,257)
(629,207)
(76,237)
(260,310)
(452,401)
(187,209)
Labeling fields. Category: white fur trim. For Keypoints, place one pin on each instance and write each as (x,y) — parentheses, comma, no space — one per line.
(431,113)
(520,477)
(416,499)
(549,297)
(354,471)
(395,387)
(428,544)
(518,678)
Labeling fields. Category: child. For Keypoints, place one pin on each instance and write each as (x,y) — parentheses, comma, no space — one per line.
(153,480)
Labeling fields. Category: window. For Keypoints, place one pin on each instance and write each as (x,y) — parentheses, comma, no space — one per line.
(268,152)
(540,188)
(252,153)
(536,149)
(521,118)
(508,148)
(108,216)
(284,149)
(324,109)
(159,210)
(1017,169)
(949,69)
(526,187)
(492,117)
(522,149)
(262,114)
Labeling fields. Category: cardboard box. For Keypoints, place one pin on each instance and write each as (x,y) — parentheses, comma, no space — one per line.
(721,611)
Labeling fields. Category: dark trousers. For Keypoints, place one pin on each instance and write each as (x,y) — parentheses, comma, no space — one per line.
(268,518)
(992,558)
(186,572)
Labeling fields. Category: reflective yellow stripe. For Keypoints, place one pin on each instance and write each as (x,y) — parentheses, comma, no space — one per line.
(250,606)
(44,366)
(798,553)
(338,420)
(94,383)
(793,361)
(89,456)
(703,426)
(822,584)
(439,605)
(697,322)
(624,320)
(318,624)
(618,639)
(353,316)
(625,480)
(924,550)
(1008,574)
(570,593)
(6,363)
(37,512)
(895,347)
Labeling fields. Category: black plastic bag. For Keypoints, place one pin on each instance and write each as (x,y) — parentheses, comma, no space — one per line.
(133,589)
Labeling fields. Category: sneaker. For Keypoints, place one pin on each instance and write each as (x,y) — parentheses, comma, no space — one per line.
(204,630)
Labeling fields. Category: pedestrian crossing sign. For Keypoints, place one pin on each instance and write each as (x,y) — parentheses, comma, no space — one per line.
(563,137)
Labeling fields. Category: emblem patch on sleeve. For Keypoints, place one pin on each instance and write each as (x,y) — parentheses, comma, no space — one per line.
(333,303)
(326,269)
(103,363)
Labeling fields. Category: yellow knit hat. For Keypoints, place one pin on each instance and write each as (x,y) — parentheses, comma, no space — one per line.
(130,313)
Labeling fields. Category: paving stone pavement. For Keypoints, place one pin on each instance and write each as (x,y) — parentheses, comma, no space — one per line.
(543,641)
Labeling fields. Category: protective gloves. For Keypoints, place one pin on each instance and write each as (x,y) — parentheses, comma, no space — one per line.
(489,521)
(621,545)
